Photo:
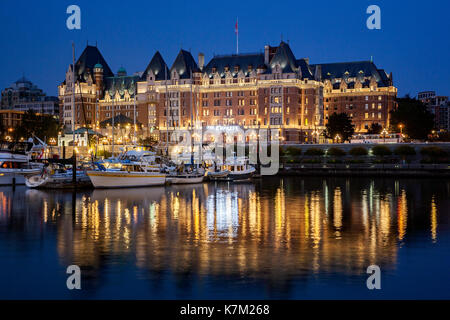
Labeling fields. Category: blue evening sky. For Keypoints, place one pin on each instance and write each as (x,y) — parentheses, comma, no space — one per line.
(413,42)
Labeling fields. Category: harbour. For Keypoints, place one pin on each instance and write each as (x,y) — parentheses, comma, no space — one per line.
(289,238)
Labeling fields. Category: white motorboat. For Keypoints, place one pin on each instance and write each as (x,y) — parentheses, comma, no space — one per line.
(130,175)
(186,176)
(138,169)
(15,163)
(233,169)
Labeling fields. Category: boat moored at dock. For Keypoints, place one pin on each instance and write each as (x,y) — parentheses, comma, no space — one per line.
(15,162)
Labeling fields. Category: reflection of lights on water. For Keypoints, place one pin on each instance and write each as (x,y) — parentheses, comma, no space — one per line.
(222,213)
(365,209)
(106,210)
(315,218)
(45,210)
(325,196)
(433,219)
(337,209)
(402,213)
(385,218)
(280,218)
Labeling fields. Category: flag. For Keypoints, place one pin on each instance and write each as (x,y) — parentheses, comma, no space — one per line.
(236,28)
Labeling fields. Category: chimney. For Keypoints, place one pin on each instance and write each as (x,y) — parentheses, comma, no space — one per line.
(201,60)
(266,54)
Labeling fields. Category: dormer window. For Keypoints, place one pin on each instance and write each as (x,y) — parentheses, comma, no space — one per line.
(236,68)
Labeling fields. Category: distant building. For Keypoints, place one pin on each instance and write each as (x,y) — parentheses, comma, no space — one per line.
(23,95)
(439,106)
(11,119)
(268,90)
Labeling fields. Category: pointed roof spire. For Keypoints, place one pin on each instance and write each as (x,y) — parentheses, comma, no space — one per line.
(87,61)
(285,58)
(184,64)
(158,66)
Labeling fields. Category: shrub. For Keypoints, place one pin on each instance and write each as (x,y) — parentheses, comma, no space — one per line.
(337,152)
(381,151)
(433,152)
(358,151)
(356,161)
(293,151)
(405,151)
(334,161)
(314,152)
(311,161)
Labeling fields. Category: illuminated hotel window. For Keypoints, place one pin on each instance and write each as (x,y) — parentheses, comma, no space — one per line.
(379,115)
(366,115)
(306,122)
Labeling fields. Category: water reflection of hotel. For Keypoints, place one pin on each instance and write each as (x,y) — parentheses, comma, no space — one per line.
(281,231)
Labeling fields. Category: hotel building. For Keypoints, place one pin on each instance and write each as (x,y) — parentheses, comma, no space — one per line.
(271,90)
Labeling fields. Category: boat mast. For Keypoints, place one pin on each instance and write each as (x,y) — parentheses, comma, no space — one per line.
(112,119)
(73,96)
(134,118)
(167,115)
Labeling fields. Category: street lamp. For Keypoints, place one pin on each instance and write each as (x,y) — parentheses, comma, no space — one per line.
(315,134)
(401,128)
(384,133)
(337,138)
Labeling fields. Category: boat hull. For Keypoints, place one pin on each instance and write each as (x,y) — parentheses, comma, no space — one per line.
(185,179)
(237,176)
(115,179)
(15,177)
(57,182)
(220,175)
